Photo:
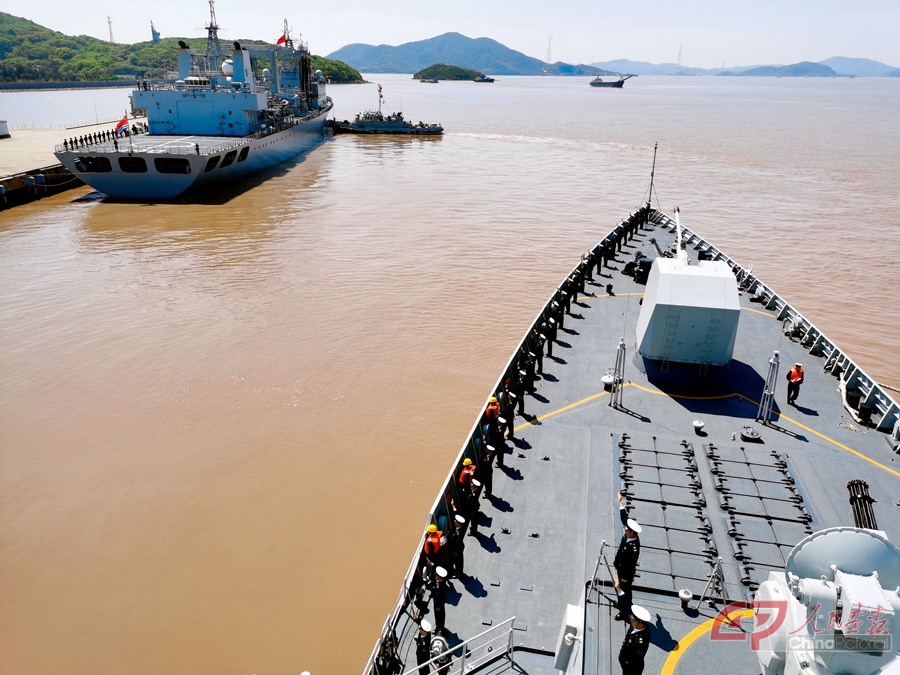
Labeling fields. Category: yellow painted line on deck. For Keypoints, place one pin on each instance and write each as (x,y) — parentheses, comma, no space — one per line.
(684,643)
(759,311)
(693,398)
(714,398)
(562,410)
(830,440)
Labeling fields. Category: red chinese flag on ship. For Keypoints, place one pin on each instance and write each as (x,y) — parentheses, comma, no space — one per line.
(281,40)
(123,124)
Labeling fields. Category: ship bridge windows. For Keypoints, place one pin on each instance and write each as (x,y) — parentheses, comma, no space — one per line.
(212,163)
(133,164)
(172,165)
(228,159)
(244,152)
(93,164)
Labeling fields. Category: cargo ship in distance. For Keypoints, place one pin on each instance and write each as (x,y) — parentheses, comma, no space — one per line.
(219,121)
(676,473)
(617,84)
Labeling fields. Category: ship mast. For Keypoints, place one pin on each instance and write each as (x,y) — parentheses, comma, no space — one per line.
(288,40)
(213,48)
(652,172)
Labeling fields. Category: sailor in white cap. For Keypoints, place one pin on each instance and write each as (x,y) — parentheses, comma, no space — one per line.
(637,640)
(521,386)
(474,508)
(457,546)
(626,560)
(439,595)
(539,340)
(486,470)
(423,647)
(551,335)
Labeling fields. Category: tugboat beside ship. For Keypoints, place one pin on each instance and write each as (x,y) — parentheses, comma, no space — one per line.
(376,122)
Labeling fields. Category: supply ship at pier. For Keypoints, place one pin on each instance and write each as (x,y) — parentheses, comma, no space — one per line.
(659,370)
(221,119)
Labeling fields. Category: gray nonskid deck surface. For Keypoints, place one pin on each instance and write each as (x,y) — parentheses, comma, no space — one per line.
(556,496)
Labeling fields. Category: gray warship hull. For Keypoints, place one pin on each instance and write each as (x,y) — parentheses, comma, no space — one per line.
(722,503)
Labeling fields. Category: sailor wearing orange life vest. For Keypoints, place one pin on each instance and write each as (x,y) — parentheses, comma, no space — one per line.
(467,474)
(795,379)
(492,412)
(432,543)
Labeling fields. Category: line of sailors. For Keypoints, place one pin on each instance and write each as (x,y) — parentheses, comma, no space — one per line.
(637,636)
(443,550)
(101,136)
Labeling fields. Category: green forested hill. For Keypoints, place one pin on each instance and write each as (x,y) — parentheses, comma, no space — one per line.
(29,52)
(443,71)
(482,54)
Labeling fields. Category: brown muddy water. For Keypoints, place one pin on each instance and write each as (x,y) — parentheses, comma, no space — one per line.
(222,424)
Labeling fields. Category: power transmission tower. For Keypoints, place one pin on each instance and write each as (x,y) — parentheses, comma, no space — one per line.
(109,21)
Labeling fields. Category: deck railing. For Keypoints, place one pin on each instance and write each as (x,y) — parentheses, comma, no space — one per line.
(494,643)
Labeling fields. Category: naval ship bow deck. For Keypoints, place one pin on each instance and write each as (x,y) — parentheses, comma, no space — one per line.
(719,510)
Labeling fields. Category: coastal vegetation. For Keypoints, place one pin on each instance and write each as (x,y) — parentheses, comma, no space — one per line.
(443,71)
(31,53)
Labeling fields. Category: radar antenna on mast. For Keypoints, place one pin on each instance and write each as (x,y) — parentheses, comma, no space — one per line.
(213,48)
(288,40)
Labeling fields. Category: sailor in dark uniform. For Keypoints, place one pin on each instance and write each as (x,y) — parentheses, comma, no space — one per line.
(474,509)
(439,596)
(457,547)
(485,471)
(423,647)
(626,560)
(637,640)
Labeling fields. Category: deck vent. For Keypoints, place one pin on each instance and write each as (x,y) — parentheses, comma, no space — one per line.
(569,637)
(861,503)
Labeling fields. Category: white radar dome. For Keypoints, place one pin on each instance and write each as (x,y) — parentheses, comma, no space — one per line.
(228,66)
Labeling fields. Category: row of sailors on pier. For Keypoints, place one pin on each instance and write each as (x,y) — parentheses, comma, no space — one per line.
(443,552)
(101,136)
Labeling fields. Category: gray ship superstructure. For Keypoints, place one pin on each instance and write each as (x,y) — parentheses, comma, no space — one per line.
(766,528)
(219,120)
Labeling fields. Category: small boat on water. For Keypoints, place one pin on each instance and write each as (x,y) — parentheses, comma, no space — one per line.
(376,122)
(600,82)
(483,78)
(429,80)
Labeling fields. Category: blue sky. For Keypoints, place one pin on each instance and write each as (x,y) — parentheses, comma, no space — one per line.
(708,33)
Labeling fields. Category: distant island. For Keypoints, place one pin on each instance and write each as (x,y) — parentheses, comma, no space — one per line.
(444,71)
(489,56)
(479,54)
(836,66)
(31,53)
